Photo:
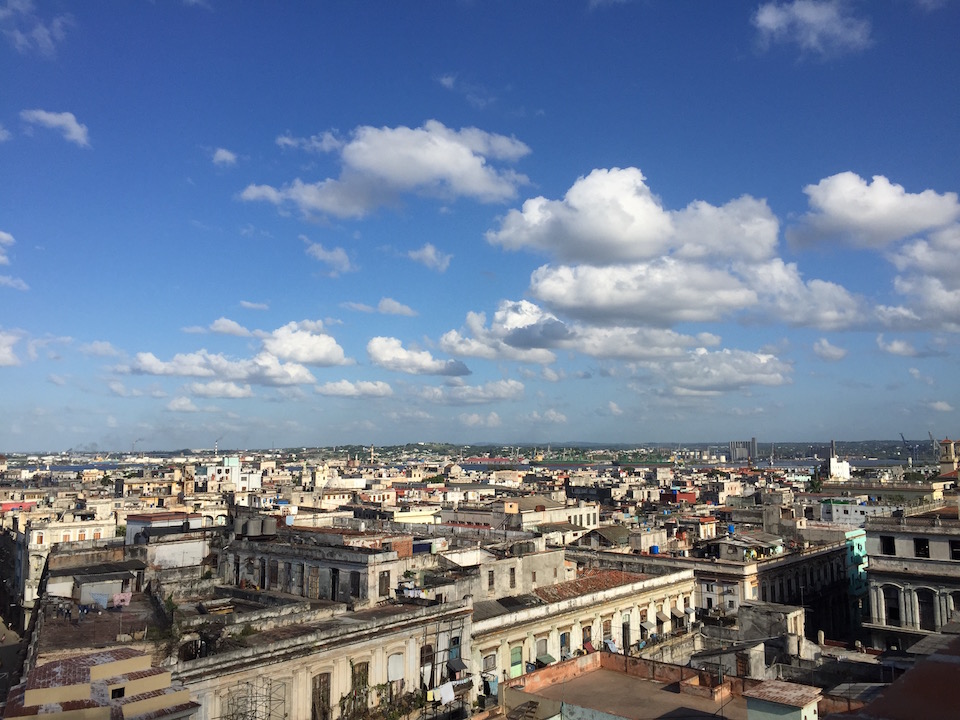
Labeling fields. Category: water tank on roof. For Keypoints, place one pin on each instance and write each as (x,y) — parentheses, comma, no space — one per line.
(654,549)
(254,527)
(238,525)
(731,529)
(270,526)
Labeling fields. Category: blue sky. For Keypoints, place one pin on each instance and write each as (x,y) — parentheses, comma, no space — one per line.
(329,223)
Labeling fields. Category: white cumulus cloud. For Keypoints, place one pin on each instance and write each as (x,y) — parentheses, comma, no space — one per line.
(15,283)
(709,373)
(849,209)
(262,369)
(64,122)
(220,389)
(389,306)
(226,326)
(99,348)
(896,347)
(6,240)
(455,394)
(304,342)
(28,32)
(429,256)
(620,258)
(335,258)
(224,158)
(551,416)
(382,164)
(7,356)
(660,292)
(821,27)
(389,353)
(362,388)
(182,404)
(490,420)
(612,215)
(929,280)
(826,351)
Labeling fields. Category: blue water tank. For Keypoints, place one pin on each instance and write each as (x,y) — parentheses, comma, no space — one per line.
(731,529)
(654,549)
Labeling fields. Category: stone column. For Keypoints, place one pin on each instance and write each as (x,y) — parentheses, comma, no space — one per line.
(937,617)
(503,659)
(877,610)
(300,694)
(553,642)
(411,669)
(904,609)
(914,607)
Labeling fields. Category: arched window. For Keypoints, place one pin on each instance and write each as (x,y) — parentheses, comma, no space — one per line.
(39,538)
(925,601)
(891,603)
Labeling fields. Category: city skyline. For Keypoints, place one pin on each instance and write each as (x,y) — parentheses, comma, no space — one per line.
(475,222)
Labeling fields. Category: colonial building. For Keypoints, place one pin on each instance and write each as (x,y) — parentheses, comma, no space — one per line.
(601,609)
(758,568)
(113,683)
(913,573)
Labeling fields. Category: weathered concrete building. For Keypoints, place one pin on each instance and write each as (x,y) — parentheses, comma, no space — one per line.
(598,610)
(913,575)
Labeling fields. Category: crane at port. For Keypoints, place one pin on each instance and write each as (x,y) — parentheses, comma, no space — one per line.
(935,446)
(911,452)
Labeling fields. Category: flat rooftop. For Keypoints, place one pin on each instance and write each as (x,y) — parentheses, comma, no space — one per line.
(635,698)
(97,630)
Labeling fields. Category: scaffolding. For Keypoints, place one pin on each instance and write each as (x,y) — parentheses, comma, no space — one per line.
(259,699)
(437,660)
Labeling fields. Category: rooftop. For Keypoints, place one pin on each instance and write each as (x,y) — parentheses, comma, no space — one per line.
(635,698)
(785,693)
(930,689)
(98,629)
(590,581)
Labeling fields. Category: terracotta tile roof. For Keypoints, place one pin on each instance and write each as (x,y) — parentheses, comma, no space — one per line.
(784,693)
(77,671)
(589,582)
(73,671)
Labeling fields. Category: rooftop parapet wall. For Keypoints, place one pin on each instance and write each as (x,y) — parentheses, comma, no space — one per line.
(314,638)
(664,563)
(666,583)
(913,525)
(692,681)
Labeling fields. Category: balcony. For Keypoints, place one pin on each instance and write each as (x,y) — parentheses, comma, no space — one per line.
(889,564)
